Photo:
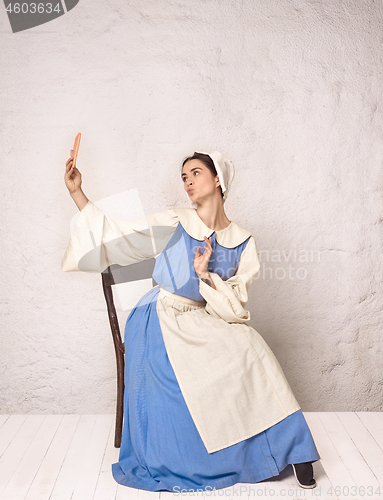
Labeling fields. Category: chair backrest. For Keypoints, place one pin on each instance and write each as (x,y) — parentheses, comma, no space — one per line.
(116,274)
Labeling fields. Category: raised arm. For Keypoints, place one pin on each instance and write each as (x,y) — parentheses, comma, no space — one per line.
(98,241)
(73,182)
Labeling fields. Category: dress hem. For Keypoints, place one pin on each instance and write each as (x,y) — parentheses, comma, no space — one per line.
(252,479)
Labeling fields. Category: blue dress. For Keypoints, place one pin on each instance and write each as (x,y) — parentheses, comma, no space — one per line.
(161,448)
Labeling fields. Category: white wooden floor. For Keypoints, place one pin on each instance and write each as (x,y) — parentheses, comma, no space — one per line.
(69,457)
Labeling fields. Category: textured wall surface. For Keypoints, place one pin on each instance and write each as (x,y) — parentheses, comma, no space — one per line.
(289,90)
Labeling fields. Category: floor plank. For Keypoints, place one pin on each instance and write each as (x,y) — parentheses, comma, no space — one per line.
(339,474)
(46,476)
(126,493)
(16,450)
(24,474)
(364,441)
(149,495)
(93,456)
(3,419)
(374,425)
(323,468)
(9,430)
(74,458)
(349,455)
(107,486)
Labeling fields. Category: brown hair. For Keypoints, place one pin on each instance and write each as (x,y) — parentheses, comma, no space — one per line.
(206,160)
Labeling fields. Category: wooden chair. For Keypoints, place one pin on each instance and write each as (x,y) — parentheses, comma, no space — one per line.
(114,275)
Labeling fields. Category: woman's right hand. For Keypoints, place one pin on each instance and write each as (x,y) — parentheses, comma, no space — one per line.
(72,177)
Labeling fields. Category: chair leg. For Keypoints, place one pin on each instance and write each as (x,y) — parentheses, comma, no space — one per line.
(119,347)
(120,398)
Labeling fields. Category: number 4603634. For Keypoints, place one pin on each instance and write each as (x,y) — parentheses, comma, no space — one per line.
(32,8)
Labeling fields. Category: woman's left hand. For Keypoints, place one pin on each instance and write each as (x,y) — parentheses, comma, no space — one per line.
(201,261)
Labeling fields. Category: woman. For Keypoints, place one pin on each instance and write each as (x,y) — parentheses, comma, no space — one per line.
(206,403)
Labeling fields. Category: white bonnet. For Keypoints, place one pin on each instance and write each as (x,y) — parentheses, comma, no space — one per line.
(225,171)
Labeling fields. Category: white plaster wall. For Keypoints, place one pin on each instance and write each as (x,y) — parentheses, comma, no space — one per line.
(289,90)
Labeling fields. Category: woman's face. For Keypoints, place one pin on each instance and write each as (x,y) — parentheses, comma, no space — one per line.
(198,181)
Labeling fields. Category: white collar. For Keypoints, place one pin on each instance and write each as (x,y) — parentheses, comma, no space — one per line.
(230,237)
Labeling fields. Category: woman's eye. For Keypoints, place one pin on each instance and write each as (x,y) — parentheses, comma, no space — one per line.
(195,172)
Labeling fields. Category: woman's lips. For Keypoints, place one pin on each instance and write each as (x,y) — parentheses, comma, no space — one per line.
(190,191)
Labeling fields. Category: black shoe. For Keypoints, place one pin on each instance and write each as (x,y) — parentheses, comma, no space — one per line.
(304,474)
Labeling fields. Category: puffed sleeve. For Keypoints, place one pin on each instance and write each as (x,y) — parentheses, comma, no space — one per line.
(98,241)
(227,302)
